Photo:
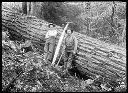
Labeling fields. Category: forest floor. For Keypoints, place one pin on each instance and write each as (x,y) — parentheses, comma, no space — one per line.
(37,76)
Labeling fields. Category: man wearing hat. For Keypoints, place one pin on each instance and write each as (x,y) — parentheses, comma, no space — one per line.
(50,43)
(70,48)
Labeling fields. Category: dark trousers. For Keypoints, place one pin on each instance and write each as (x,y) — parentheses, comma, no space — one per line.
(67,60)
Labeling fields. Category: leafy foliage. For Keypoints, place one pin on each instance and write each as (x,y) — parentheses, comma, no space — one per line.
(105,20)
(52,11)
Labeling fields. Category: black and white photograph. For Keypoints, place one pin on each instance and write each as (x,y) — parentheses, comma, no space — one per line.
(71,46)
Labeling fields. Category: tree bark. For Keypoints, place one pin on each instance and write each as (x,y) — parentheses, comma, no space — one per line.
(24,7)
(88,9)
(28,7)
(113,25)
(94,56)
(32,8)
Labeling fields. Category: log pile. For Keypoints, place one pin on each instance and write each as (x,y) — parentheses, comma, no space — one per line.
(94,56)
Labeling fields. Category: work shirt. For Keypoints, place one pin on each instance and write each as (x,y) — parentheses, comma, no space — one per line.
(50,43)
(51,33)
(70,43)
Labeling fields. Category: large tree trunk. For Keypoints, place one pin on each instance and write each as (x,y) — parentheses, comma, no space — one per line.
(94,57)
(88,10)
(24,7)
(32,8)
(28,7)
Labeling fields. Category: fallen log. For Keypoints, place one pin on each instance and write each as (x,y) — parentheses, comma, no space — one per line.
(94,56)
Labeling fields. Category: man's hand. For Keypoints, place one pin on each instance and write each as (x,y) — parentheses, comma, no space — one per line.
(64,47)
(74,52)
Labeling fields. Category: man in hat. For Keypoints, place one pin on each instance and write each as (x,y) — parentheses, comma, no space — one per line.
(50,43)
(70,48)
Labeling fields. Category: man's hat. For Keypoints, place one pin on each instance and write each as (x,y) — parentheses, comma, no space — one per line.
(51,24)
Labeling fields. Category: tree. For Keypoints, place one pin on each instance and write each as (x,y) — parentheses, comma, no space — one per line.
(28,7)
(123,34)
(49,11)
(114,25)
(33,8)
(89,17)
(24,7)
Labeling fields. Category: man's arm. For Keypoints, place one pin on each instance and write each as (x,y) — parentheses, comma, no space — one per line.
(47,35)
